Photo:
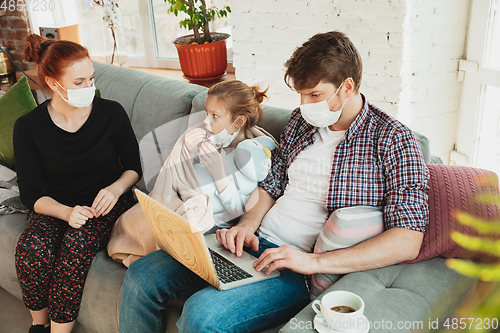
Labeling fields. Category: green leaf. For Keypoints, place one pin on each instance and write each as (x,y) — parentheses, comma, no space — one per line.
(186,23)
(178,5)
(196,16)
(476,243)
(465,267)
(487,272)
(489,307)
(489,199)
(480,225)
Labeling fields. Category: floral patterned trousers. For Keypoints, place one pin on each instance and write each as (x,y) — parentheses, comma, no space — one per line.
(53,259)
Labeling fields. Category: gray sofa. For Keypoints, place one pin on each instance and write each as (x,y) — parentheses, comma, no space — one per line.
(160,110)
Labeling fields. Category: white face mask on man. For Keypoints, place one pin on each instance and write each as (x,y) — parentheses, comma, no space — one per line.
(79,98)
(223,138)
(319,114)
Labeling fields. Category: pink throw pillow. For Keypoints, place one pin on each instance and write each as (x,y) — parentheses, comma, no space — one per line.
(456,188)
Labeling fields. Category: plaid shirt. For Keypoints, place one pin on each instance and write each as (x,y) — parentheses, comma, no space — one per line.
(379,163)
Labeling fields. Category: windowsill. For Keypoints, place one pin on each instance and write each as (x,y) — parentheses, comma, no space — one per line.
(176,74)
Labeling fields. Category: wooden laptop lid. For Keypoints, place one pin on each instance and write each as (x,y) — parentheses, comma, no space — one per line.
(176,236)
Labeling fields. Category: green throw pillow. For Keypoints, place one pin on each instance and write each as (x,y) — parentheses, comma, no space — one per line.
(17,101)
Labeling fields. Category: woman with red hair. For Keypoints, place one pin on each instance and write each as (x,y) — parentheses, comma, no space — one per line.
(76,158)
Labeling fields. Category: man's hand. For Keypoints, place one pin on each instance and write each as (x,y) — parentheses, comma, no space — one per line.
(235,238)
(79,216)
(286,256)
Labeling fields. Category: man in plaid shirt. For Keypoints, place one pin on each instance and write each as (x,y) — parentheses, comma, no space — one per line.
(378,163)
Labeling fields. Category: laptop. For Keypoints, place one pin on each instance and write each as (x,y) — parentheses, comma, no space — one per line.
(203,255)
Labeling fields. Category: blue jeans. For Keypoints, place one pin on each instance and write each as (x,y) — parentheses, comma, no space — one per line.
(154,280)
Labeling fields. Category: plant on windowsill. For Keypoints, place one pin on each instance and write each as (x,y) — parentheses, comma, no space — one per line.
(202,55)
(111,16)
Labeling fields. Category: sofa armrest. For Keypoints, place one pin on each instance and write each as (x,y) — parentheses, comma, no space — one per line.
(399,294)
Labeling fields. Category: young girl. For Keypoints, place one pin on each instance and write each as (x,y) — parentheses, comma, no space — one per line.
(233,110)
(76,159)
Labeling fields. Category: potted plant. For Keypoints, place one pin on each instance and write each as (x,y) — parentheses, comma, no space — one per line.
(203,54)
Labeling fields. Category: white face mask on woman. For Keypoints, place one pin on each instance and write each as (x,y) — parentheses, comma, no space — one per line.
(223,138)
(319,114)
(79,98)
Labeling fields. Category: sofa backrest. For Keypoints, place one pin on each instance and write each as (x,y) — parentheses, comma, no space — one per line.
(161,110)
(150,101)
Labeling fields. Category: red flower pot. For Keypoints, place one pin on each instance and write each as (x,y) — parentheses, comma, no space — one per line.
(203,60)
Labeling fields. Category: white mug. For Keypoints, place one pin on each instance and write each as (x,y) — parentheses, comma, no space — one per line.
(341,322)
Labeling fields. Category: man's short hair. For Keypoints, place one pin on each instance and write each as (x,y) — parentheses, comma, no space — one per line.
(330,57)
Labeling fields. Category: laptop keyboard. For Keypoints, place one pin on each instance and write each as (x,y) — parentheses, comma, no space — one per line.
(227,271)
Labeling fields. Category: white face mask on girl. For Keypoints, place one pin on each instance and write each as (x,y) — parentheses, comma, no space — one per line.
(223,138)
(79,98)
(319,114)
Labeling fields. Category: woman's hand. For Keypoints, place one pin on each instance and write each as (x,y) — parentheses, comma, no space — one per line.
(213,161)
(193,138)
(106,200)
(79,216)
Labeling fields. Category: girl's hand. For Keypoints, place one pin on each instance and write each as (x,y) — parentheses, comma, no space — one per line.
(193,138)
(213,161)
(79,216)
(106,200)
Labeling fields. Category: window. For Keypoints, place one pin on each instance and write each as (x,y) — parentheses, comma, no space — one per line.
(148,31)
(50,13)
(478,137)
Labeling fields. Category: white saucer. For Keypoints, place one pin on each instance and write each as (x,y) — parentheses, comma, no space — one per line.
(321,327)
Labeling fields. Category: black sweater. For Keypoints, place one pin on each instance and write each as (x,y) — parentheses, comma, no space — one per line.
(69,167)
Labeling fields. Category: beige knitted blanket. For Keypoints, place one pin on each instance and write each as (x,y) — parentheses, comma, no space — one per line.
(177,187)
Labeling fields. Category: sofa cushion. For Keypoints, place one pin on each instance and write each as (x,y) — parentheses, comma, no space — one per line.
(11,228)
(199,102)
(161,101)
(274,120)
(100,306)
(455,188)
(120,84)
(423,142)
(13,104)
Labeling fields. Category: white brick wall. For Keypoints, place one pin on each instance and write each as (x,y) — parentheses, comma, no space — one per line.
(435,37)
(418,87)
(266,32)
